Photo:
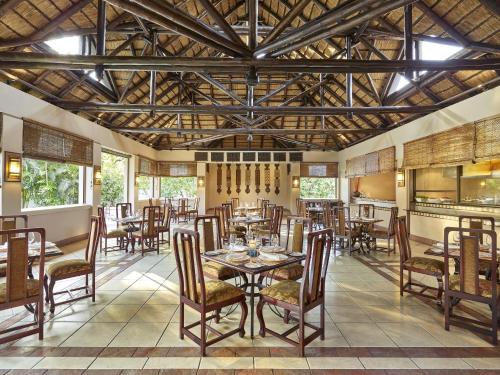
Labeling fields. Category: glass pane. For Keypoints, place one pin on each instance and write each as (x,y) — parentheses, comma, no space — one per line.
(46,184)
(174,187)
(114,170)
(436,185)
(315,187)
(480,183)
(145,187)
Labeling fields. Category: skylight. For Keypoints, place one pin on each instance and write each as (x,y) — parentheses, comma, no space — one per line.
(428,51)
(66,46)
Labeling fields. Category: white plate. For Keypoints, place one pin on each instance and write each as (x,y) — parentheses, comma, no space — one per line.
(451,245)
(213,253)
(296,254)
(272,249)
(274,258)
(253,265)
(238,258)
(237,248)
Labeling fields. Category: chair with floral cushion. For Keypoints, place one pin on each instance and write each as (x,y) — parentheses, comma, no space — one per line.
(407,262)
(166,219)
(344,230)
(228,228)
(148,234)
(10,222)
(66,269)
(388,234)
(119,234)
(299,298)
(468,284)
(203,296)
(19,288)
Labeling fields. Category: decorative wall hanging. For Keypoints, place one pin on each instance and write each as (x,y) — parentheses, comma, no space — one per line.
(247,179)
(219,178)
(257,178)
(228,178)
(238,178)
(276,179)
(267,178)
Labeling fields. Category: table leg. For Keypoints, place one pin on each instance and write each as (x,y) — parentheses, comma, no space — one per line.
(252,296)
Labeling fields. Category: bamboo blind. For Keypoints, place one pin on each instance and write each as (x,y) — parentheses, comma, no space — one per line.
(487,138)
(147,167)
(382,161)
(330,170)
(418,153)
(356,166)
(47,143)
(387,160)
(371,163)
(176,169)
(453,147)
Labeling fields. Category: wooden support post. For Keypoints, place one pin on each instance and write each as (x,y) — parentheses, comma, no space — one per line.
(408,31)
(348,78)
(101,36)
(152,86)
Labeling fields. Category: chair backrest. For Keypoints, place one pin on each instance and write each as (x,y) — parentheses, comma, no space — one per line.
(276,219)
(391,229)
(196,203)
(263,206)
(189,266)
(403,239)
(299,224)
(123,210)
(366,210)
(167,215)
(211,237)
(327,215)
(183,203)
(93,240)
(469,259)
(312,287)
(8,222)
(151,221)
(228,209)
(268,209)
(476,222)
(16,283)
(342,220)
(235,202)
(224,224)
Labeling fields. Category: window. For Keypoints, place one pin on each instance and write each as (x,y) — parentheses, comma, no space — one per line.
(318,187)
(46,183)
(173,187)
(145,187)
(71,45)
(114,170)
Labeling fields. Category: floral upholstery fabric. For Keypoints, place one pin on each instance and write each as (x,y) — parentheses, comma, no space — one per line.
(68,267)
(484,286)
(219,291)
(426,264)
(31,290)
(286,291)
(290,272)
(115,233)
(218,271)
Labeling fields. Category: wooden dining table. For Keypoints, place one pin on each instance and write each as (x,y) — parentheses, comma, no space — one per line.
(33,256)
(242,268)
(248,220)
(365,223)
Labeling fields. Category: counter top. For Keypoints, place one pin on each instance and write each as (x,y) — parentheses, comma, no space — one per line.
(375,202)
(455,212)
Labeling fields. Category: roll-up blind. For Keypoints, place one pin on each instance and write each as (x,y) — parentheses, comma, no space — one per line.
(453,147)
(371,163)
(418,153)
(147,167)
(387,160)
(176,169)
(359,166)
(47,143)
(382,161)
(319,170)
(487,138)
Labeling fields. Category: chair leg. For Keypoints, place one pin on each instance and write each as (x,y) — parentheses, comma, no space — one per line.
(93,286)
(401,281)
(494,323)
(40,318)
(244,314)
(446,312)
(440,290)
(181,321)
(286,317)
(217,316)
(260,306)
(203,335)
(301,333)
(51,295)
(46,287)
(322,321)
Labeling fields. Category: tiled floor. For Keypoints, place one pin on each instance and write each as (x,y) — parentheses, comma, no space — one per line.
(133,327)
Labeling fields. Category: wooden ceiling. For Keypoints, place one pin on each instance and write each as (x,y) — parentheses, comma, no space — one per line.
(236,74)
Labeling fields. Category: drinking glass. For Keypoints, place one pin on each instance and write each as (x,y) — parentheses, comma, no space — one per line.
(275,240)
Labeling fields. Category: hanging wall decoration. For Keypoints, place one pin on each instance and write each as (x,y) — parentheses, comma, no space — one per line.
(238,178)
(228,178)
(247,179)
(257,178)
(267,178)
(219,178)
(276,179)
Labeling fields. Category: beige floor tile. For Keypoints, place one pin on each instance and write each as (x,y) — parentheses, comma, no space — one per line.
(64,363)
(163,297)
(154,314)
(385,314)
(388,363)
(340,363)
(116,314)
(229,363)
(55,333)
(279,363)
(77,312)
(94,334)
(441,363)
(161,363)
(347,314)
(132,298)
(115,363)
(455,337)
(339,299)
(21,363)
(117,284)
(170,337)
(484,363)
(409,334)
(364,334)
(145,284)
(139,334)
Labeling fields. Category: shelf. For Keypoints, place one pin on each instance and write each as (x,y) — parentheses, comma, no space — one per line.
(437,191)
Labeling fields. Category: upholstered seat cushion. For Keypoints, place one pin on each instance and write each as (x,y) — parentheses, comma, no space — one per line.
(115,233)
(290,272)
(286,291)
(484,286)
(218,291)
(68,267)
(219,271)
(426,264)
(31,290)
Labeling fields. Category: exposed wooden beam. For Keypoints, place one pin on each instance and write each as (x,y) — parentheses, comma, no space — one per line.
(243,131)
(286,21)
(408,32)
(253,23)
(221,21)
(101,36)
(492,5)
(8,5)
(348,78)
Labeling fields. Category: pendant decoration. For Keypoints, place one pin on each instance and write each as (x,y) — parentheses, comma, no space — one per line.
(257,178)
(238,178)
(228,178)
(219,178)
(248,180)
(276,179)
(267,178)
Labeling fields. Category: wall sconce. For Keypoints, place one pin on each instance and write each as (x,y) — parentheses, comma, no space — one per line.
(401,177)
(12,167)
(295,182)
(201,181)
(97,175)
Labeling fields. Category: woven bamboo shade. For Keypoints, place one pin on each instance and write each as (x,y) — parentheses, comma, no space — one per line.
(387,160)
(371,163)
(147,167)
(418,153)
(47,143)
(176,169)
(359,166)
(319,170)
(487,138)
(453,147)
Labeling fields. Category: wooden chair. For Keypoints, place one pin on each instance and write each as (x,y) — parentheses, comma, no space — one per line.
(8,222)
(164,227)
(148,233)
(124,210)
(66,269)
(366,210)
(387,235)
(182,210)
(235,203)
(344,230)
(202,296)
(227,213)
(194,211)
(19,289)
(119,234)
(299,298)
(478,222)
(327,215)
(423,265)
(273,227)
(468,284)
